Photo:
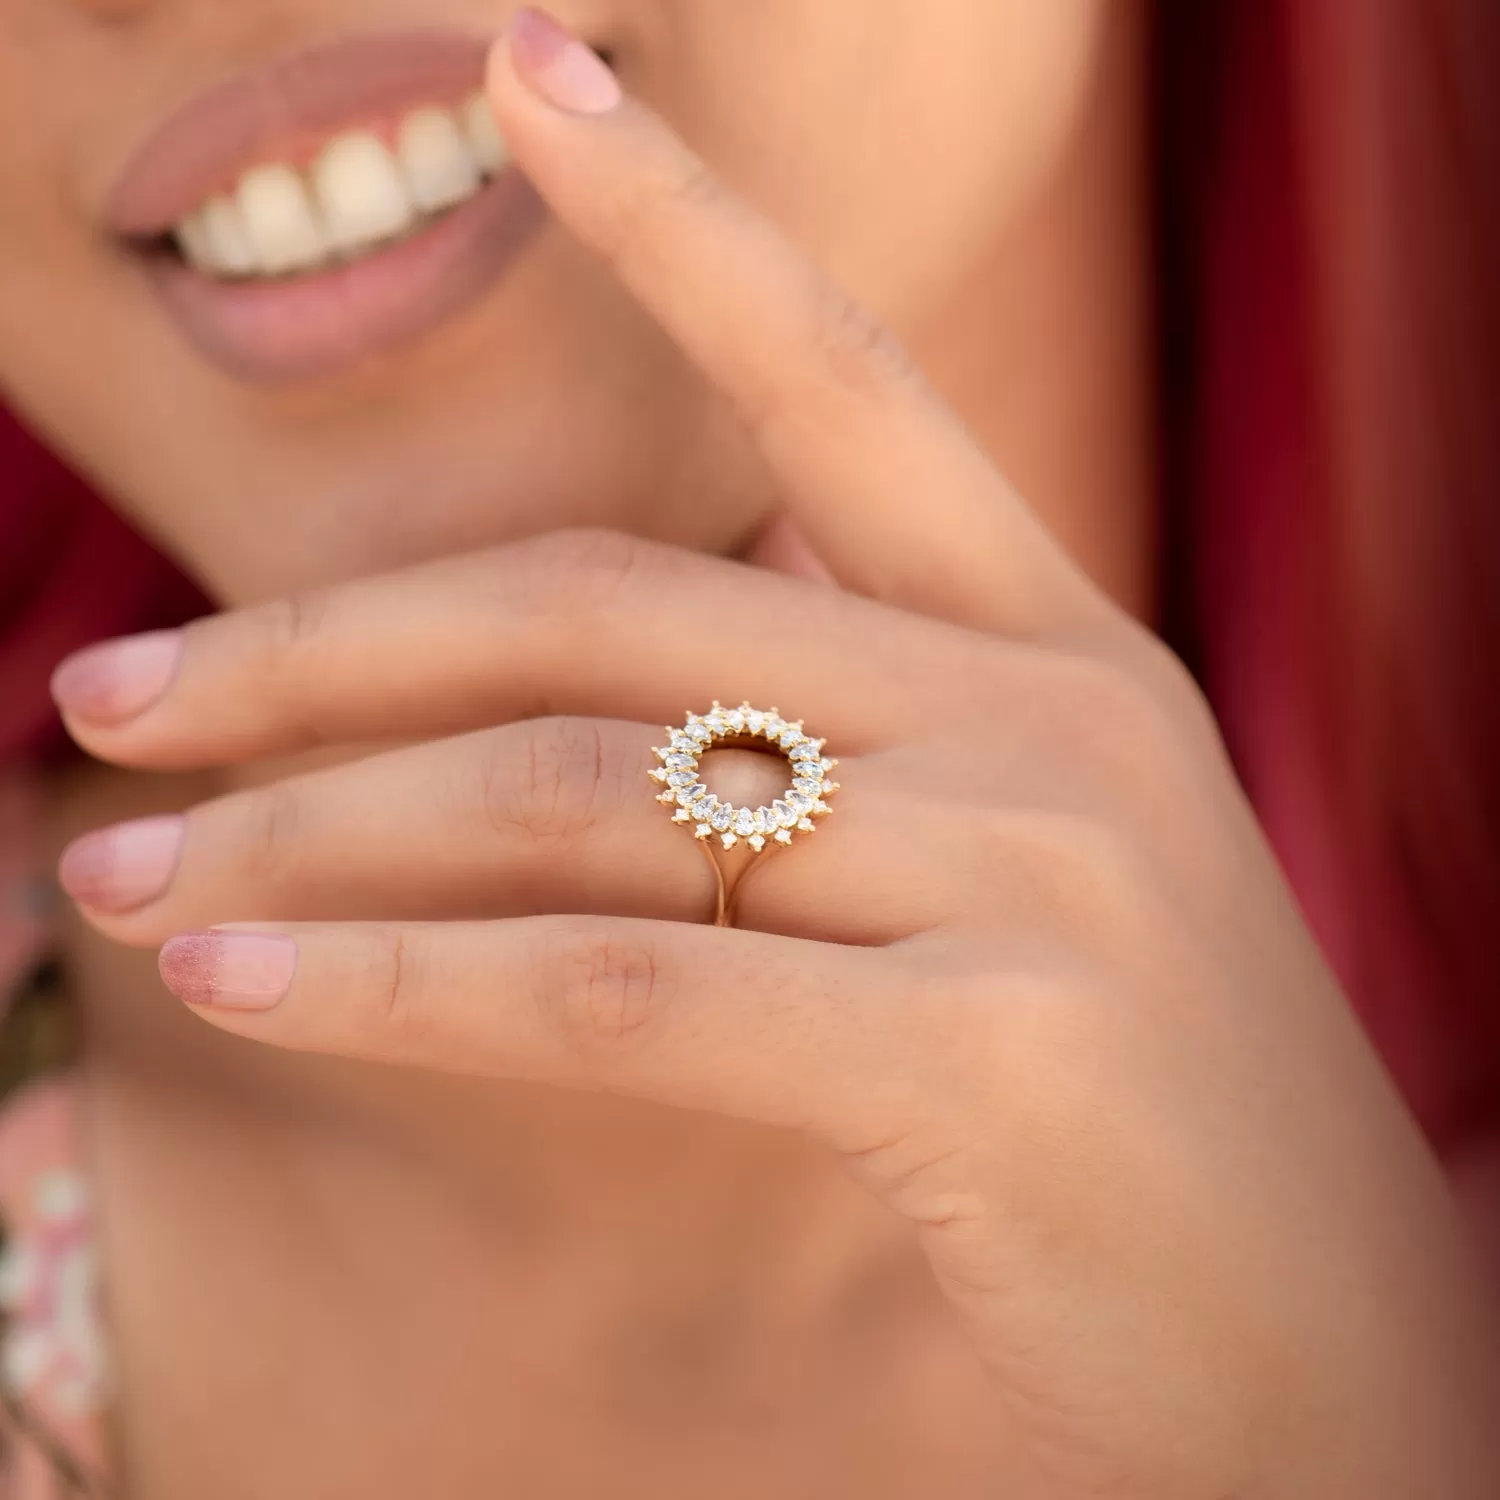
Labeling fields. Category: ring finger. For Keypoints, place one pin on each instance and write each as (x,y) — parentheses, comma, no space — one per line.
(544,815)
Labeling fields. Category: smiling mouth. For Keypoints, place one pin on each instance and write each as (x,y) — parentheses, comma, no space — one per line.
(333,203)
(363,191)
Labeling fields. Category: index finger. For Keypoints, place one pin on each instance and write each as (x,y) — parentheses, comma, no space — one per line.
(881,476)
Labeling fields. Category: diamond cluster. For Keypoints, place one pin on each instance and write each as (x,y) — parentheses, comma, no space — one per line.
(792,812)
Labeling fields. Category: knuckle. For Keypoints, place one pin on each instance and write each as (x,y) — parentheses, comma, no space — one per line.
(1145,674)
(284,637)
(601,989)
(577,570)
(1114,719)
(642,214)
(397,987)
(270,836)
(287,628)
(1082,880)
(856,349)
(854,361)
(1181,696)
(1098,870)
(691,188)
(551,782)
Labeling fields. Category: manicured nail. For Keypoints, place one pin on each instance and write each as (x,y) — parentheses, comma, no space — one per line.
(117,869)
(230,970)
(563,70)
(111,683)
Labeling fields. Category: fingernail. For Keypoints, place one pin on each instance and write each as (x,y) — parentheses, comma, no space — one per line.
(112,683)
(563,70)
(229,970)
(117,869)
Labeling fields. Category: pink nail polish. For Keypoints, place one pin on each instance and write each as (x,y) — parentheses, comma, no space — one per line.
(116,870)
(229,970)
(559,67)
(111,683)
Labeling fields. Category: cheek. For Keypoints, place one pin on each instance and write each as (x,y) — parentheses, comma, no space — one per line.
(68,303)
(898,141)
(38,222)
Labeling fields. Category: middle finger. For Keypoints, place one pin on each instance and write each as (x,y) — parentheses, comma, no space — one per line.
(571,622)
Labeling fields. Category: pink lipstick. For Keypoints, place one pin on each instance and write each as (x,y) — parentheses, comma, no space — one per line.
(327,207)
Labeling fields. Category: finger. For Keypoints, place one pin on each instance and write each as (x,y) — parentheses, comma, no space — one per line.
(890,489)
(549,815)
(568,623)
(553,814)
(782,548)
(543,816)
(788,1032)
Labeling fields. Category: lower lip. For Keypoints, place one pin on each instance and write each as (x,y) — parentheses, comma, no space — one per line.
(312,326)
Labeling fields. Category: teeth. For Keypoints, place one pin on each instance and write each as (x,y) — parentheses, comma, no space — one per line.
(357,195)
(192,240)
(278,214)
(484,135)
(360,193)
(213,240)
(441,166)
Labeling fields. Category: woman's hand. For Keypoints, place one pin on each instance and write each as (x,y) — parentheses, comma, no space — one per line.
(1038,981)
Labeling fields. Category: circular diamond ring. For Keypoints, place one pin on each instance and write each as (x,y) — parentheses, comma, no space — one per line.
(759,827)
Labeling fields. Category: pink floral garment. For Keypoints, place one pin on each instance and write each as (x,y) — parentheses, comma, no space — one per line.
(54,1381)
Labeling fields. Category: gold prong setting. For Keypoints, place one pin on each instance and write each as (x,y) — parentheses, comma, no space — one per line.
(794,811)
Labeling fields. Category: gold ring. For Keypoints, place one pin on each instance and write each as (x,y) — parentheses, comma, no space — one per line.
(761,828)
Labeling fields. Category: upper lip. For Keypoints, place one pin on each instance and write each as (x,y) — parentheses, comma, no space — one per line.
(284,111)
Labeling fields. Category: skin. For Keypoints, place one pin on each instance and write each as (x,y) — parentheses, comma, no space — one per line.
(261,492)
(1037,991)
